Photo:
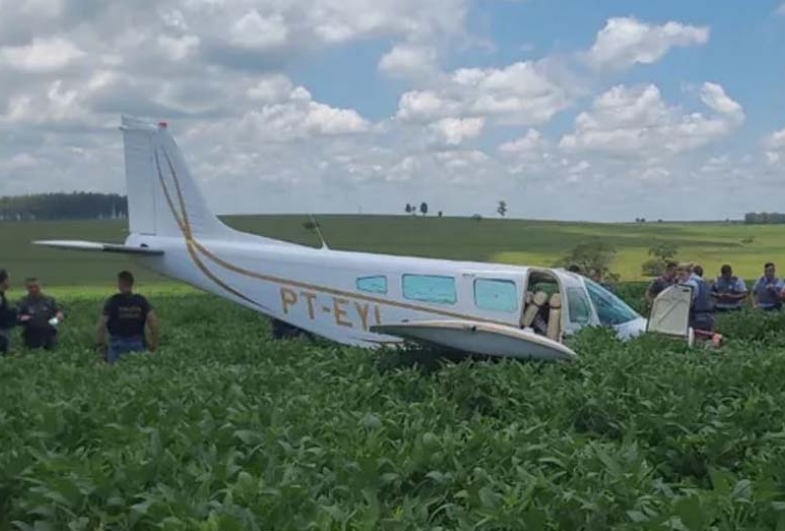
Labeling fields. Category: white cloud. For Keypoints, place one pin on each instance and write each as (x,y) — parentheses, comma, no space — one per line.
(714,96)
(178,49)
(290,113)
(636,122)
(42,55)
(625,41)
(425,106)
(273,88)
(781,10)
(337,21)
(409,61)
(454,131)
(18,162)
(254,31)
(522,93)
(532,142)
(775,147)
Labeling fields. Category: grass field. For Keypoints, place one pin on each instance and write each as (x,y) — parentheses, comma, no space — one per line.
(510,241)
(224,429)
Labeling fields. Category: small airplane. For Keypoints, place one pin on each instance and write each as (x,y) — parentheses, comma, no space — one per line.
(356,298)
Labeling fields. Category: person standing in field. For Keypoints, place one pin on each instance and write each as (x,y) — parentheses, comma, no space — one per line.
(702,306)
(7,315)
(125,315)
(767,291)
(728,291)
(662,282)
(39,315)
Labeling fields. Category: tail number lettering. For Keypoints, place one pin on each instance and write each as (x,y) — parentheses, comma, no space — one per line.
(344,312)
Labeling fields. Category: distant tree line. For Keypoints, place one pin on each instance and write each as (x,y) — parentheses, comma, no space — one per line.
(764,218)
(63,206)
(411,208)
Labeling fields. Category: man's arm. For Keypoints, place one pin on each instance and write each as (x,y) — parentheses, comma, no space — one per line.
(152,325)
(58,310)
(100,330)
(755,297)
(23,312)
(741,291)
(649,295)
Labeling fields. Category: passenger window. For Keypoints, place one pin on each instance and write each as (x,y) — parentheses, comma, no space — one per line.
(429,288)
(376,284)
(580,311)
(495,295)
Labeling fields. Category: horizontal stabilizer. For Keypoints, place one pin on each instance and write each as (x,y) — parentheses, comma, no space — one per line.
(78,245)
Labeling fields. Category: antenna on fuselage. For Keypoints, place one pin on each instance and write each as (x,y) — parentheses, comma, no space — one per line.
(318,231)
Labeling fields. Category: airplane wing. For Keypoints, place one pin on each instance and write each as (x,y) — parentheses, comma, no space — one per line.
(78,245)
(479,338)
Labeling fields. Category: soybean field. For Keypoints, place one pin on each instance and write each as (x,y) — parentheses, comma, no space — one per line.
(223,428)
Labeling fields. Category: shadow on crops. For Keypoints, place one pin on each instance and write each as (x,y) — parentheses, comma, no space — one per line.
(425,359)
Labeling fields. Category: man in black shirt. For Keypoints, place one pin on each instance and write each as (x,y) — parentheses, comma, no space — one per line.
(661,283)
(124,316)
(39,314)
(7,315)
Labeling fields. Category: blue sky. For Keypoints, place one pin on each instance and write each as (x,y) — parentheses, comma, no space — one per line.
(601,110)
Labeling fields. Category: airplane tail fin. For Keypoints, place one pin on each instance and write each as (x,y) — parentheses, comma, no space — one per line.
(163,199)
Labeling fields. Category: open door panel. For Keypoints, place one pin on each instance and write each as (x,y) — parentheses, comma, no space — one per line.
(670,312)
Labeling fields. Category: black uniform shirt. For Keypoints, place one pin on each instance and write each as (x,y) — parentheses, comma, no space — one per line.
(127,315)
(7,314)
(40,309)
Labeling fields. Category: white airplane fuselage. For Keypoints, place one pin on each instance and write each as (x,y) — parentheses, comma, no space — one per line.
(320,290)
(342,295)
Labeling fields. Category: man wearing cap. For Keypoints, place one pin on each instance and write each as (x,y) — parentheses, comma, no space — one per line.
(767,291)
(39,315)
(728,291)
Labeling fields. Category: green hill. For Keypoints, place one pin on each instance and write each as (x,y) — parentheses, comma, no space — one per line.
(746,247)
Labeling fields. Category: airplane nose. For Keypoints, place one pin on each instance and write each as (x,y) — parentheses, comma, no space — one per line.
(631,329)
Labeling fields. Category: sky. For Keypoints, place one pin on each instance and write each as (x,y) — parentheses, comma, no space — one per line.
(599,110)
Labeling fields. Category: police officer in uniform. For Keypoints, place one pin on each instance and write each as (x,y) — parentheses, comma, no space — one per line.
(728,291)
(39,314)
(702,307)
(767,291)
(125,315)
(7,315)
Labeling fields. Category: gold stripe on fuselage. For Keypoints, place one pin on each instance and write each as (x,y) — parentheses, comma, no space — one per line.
(193,244)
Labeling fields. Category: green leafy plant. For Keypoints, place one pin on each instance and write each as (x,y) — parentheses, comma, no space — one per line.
(225,429)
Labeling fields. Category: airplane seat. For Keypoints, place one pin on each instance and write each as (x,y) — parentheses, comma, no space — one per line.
(533,308)
(554,318)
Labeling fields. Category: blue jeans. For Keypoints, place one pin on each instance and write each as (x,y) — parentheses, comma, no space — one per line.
(119,346)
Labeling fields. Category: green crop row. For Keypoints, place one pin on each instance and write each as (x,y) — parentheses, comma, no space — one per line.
(224,429)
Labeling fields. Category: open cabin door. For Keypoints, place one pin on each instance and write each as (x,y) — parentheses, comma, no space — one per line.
(543,304)
(670,313)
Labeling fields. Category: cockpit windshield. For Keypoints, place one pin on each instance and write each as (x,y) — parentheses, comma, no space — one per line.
(611,310)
